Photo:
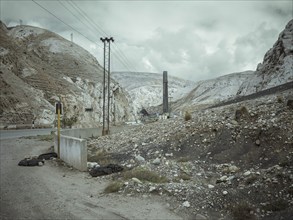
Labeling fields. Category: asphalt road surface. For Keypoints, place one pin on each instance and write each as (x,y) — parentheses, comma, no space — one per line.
(54,191)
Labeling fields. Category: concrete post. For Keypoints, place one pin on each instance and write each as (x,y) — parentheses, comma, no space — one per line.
(165,92)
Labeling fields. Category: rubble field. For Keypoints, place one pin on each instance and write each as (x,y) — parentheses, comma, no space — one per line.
(229,162)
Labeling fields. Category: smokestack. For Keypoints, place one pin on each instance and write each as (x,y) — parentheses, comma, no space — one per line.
(165,92)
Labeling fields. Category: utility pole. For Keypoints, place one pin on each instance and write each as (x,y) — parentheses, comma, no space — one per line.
(71,36)
(109,71)
(105,41)
(104,84)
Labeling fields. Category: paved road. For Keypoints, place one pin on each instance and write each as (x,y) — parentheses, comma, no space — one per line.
(7,134)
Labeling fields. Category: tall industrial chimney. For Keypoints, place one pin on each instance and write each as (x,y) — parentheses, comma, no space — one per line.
(165,92)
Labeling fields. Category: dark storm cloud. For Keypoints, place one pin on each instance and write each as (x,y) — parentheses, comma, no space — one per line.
(249,46)
(279,9)
(191,39)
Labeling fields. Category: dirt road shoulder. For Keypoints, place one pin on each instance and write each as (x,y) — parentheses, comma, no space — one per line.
(57,192)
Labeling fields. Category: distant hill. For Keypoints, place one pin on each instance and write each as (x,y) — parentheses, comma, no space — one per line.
(146,89)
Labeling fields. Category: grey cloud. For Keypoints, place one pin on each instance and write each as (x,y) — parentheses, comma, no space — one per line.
(257,42)
(191,39)
(279,9)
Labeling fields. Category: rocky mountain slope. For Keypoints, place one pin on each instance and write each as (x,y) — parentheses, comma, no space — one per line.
(211,91)
(230,162)
(39,68)
(277,65)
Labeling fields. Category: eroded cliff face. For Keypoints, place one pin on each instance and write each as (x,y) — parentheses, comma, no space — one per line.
(39,68)
(281,54)
(277,65)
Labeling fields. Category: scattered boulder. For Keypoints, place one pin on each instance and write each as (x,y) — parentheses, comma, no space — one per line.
(225,192)
(156,161)
(186,204)
(290,103)
(241,113)
(139,159)
(230,169)
(247,173)
(200,217)
(136,180)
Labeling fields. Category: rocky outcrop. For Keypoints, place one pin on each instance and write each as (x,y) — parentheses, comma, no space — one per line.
(277,65)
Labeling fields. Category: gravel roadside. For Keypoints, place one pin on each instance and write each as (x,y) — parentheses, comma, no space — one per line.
(58,192)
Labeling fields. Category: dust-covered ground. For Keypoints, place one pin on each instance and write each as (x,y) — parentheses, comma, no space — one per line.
(56,191)
(229,162)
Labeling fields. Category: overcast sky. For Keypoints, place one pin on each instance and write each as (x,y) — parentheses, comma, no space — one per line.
(194,40)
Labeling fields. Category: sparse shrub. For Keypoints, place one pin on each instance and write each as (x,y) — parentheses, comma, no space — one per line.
(46,137)
(242,212)
(68,122)
(144,175)
(49,137)
(183,159)
(290,191)
(241,113)
(277,205)
(285,163)
(280,99)
(187,116)
(250,180)
(113,187)
(184,176)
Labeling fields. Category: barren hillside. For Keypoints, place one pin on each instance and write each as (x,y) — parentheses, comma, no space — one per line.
(39,68)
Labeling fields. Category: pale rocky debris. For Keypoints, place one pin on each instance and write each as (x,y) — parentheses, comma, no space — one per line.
(186,204)
(195,167)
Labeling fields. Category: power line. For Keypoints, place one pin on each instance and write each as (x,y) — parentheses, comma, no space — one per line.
(64,6)
(81,12)
(120,55)
(62,21)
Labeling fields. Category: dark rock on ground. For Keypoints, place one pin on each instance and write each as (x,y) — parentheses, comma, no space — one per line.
(47,156)
(31,162)
(105,170)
